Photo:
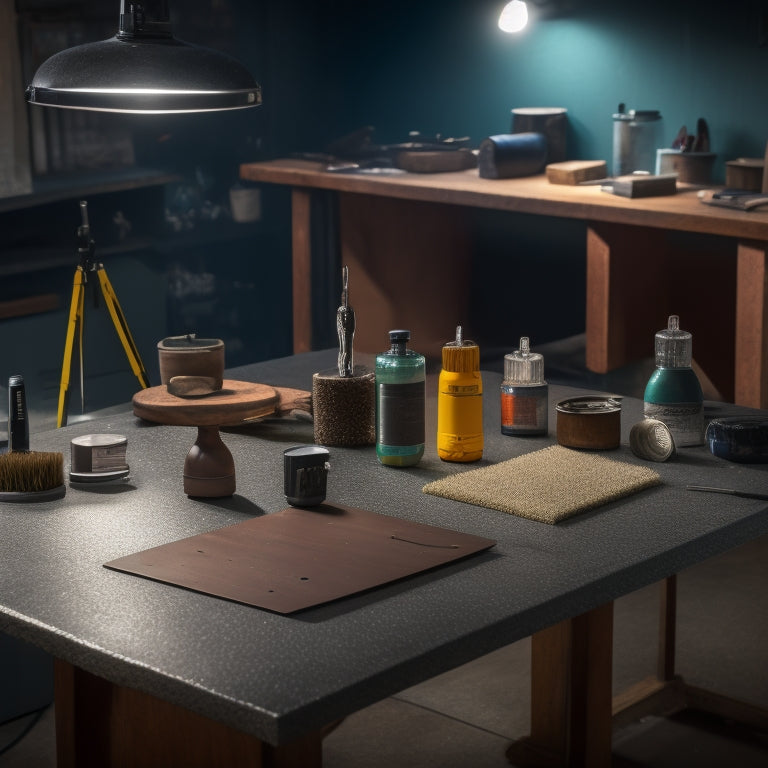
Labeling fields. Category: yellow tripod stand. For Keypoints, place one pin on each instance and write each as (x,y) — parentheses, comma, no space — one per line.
(86,267)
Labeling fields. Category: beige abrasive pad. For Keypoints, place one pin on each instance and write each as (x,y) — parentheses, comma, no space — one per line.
(547,485)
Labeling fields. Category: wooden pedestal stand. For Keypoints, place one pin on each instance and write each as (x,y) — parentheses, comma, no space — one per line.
(209,469)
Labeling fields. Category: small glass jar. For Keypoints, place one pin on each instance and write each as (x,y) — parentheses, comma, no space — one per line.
(524,393)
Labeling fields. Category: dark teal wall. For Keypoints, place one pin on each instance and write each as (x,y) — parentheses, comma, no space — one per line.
(446,67)
(329,68)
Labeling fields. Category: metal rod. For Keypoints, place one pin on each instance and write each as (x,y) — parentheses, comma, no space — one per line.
(730,492)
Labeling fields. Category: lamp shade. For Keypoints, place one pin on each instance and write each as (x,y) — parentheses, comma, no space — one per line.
(143,69)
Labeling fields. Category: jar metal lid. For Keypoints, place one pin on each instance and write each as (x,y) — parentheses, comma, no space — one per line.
(588,404)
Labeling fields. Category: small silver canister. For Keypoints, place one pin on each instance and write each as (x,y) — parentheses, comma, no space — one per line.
(636,137)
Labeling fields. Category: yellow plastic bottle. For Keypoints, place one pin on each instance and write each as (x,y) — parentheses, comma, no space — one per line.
(460,402)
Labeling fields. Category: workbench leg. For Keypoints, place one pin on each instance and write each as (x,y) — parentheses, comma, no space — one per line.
(302,269)
(751,364)
(103,725)
(627,283)
(571,679)
(409,267)
(666,694)
(665,664)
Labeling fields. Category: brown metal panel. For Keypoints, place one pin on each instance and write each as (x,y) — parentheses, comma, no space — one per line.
(298,558)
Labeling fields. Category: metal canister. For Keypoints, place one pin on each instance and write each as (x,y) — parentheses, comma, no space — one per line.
(592,422)
(636,135)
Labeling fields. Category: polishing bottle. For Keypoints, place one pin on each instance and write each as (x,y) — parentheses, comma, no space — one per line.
(400,393)
(524,393)
(18,426)
(673,394)
(460,402)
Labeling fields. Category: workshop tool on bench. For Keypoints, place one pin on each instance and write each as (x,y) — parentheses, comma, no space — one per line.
(730,492)
(345,328)
(344,399)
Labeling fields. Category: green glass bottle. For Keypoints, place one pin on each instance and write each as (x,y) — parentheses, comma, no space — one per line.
(673,394)
(400,393)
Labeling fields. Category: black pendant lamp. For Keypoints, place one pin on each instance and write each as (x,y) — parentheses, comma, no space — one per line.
(143,69)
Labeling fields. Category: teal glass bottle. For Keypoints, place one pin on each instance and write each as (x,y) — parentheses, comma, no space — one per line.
(400,394)
(673,394)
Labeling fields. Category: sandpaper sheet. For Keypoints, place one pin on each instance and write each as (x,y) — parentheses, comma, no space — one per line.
(548,485)
(299,558)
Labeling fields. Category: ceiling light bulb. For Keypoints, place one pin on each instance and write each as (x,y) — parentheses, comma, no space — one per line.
(514,17)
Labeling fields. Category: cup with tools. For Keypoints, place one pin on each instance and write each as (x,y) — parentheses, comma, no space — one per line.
(191,367)
(344,399)
(693,161)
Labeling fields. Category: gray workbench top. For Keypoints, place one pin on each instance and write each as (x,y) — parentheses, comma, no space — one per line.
(278,677)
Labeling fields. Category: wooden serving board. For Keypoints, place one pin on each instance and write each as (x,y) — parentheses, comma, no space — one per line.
(235,403)
(298,558)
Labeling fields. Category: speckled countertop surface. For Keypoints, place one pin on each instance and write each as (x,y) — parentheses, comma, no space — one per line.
(278,677)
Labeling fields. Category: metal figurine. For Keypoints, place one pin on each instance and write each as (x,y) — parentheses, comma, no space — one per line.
(345,327)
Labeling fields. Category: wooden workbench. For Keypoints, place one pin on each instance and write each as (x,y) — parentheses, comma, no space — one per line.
(151,674)
(416,220)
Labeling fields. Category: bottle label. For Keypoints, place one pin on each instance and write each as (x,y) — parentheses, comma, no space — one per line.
(685,421)
(400,414)
(462,390)
(108,458)
(460,422)
(522,410)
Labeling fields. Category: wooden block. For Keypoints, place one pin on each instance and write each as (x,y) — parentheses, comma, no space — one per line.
(745,173)
(437,161)
(576,171)
(645,186)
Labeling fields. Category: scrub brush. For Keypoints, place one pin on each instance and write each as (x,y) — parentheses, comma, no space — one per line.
(27,475)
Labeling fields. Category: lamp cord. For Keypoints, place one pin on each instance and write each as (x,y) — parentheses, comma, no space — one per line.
(37,714)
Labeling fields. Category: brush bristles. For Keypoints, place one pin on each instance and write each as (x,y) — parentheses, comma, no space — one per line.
(22,472)
(464,359)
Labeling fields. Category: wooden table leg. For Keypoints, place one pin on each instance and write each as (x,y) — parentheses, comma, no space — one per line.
(666,693)
(409,267)
(665,664)
(625,288)
(638,276)
(571,666)
(752,325)
(103,725)
(302,270)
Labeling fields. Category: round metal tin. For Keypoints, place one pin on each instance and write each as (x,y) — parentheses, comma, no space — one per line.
(743,439)
(591,421)
(98,458)
(651,439)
